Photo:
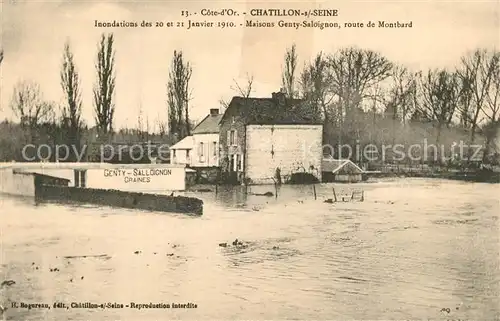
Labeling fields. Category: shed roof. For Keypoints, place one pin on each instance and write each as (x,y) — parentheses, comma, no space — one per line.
(185,143)
(334,165)
(209,125)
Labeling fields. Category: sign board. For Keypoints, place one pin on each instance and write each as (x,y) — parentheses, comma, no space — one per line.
(138,179)
(148,178)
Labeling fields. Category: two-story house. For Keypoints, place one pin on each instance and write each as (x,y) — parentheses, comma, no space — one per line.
(260,137)
(201,149)
(206,141)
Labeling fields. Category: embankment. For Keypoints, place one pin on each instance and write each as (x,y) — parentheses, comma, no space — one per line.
(114,198)
(481,176)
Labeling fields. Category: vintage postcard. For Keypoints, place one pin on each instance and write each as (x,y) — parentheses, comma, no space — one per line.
(249,160)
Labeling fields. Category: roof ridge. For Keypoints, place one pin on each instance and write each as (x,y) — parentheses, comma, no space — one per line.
(209,124)
(197,125)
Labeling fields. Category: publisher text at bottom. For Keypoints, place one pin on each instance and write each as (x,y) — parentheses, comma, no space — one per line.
(133,305)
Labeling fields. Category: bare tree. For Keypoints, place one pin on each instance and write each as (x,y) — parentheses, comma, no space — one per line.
(355,72)
(315,83)
(104,88)
(400,102)
(162,127)
(246,90)
(477,71)
(491,108)
(70,84)
(288,72)
(178,96)
(28,106)
(148,128)
(140,122)
(240,90)
(492,114)
(465,104)
(440,96)
(173,113)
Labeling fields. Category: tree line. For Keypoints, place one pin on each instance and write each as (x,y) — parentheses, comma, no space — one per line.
(40,121)
(359,95)
(362,97)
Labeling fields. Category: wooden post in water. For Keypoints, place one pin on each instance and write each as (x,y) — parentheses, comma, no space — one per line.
(362,196)
(275,187)
(216,187)
(314,190)
(334,194)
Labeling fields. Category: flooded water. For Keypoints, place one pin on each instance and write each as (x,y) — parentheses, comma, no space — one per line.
(414,249)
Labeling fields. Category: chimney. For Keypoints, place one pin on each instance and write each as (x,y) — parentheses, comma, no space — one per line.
(279,98)
(214,111)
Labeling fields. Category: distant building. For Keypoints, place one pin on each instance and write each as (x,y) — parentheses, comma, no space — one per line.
(262,138)
(341,170)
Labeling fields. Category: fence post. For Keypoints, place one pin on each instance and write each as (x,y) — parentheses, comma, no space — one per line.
(314,190)
(334,194)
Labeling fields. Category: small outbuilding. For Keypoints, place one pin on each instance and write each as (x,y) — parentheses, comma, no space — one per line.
(341,170)
(180,153)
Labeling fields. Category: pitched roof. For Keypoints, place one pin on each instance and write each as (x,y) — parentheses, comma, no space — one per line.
(209,125)
(185,143)
(266,111)
(334,165)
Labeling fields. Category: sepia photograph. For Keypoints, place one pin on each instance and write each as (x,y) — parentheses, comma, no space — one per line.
(249,160)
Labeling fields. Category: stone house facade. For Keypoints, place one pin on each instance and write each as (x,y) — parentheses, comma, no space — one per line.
(262,136)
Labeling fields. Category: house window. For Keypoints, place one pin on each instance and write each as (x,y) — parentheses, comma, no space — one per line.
(77,178)
(83,178)
(215,148)
(187,156)
(231,137)
(200,150)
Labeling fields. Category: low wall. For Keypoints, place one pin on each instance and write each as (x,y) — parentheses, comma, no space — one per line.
(16,184)
(207,175)
(114,198)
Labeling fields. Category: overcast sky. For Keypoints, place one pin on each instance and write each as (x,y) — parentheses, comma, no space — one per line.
(33,35)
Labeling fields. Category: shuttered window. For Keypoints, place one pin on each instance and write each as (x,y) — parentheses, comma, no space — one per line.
(232,137)
(77,178)
(83,178)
